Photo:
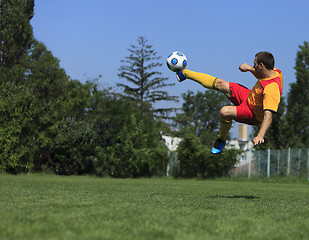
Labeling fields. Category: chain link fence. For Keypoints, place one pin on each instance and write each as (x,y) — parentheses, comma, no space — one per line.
(274,162)
(262,163)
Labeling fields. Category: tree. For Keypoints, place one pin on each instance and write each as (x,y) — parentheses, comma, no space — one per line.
(11,119)
(128,142)
(32,107)
(16,38)
(49,122)
(200,114)
(16,32)
(146,83)
(298,101)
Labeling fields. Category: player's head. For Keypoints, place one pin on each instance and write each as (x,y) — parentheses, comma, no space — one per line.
(263,62)
(266,58)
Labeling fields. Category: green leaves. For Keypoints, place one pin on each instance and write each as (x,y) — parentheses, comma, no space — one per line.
(200,114)
(298,98)
(130,143)
(16,32)
(195,159)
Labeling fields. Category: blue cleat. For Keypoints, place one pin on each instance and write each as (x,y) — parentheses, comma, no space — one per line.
(180,76)
(218,147)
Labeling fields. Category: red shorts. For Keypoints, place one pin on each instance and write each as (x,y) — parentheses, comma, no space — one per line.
(239,99)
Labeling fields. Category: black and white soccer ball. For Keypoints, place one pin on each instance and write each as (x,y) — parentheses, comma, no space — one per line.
(176,61)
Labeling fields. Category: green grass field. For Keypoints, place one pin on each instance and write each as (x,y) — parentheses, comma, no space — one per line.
(55,207)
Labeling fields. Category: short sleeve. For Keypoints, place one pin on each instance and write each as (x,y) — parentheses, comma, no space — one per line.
(271,97)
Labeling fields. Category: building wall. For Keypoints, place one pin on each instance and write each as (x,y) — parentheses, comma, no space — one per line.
(172,142)
(241,143)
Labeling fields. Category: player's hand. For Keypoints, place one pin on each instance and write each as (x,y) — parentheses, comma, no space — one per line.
(258,140)
(245,67)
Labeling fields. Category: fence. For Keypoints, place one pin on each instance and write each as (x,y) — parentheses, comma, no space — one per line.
(262,163)
(270,162)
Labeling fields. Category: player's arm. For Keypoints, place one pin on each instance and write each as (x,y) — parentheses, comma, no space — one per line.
(268,116)
(245,67)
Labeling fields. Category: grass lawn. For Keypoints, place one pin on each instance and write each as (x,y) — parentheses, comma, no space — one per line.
(57,207)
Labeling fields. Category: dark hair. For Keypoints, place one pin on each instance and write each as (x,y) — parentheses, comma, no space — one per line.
(267,59)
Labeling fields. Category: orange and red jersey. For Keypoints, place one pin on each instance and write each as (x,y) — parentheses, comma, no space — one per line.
(265,95)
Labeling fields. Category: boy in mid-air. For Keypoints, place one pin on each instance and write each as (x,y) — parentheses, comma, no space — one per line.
(252,107)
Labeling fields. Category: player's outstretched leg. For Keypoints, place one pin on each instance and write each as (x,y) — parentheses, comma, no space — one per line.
(204,79)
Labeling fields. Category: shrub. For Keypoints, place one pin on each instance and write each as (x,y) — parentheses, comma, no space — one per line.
(196,160)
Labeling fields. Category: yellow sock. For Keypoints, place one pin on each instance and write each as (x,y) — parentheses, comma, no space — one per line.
(225,126)
(204,79)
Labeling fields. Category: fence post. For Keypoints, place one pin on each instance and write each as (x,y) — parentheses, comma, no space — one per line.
(249,166)
(268,162)
(259,169)
(289,162)
(278,168)
(176,158)
(168,163)
(299,156)
(308,162)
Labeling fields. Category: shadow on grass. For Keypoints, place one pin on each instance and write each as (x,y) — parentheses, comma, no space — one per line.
(235,197)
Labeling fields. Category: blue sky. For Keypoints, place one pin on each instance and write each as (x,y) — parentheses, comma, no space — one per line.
(91,37)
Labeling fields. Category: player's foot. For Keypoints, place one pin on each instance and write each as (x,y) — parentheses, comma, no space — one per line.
(180,76)
(218,147)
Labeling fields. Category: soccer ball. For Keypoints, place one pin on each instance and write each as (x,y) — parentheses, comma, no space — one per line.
(176,61)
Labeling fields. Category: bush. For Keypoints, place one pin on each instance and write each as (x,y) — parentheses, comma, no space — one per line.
(133,147)
(196,160)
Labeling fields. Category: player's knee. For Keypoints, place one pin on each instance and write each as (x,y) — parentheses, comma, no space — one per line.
(220,83)
(223,86)
(225,112)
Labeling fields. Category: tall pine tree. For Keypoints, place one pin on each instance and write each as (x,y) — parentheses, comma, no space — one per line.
(146,84)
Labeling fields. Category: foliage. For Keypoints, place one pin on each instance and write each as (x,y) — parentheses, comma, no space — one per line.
(52,123)
(200,113)
(49,122)
(16,33)
(72,152)
(36,94)
(130,144)
(196,160)
(11,122)
(146,84)
(16,37)
(298,101)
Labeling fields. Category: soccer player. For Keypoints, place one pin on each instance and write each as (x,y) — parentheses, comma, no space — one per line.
(251,107)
